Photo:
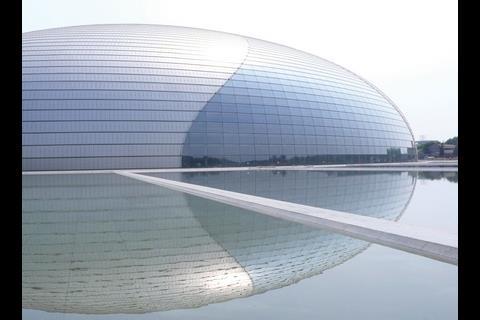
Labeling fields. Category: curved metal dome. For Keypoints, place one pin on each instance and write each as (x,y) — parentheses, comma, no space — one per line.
(151,96)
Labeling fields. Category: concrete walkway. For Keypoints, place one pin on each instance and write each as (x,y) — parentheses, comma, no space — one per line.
(434,165)
(418,240)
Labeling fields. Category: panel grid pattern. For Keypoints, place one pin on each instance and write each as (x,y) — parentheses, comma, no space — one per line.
(162,96)
(283,106)
(118,96)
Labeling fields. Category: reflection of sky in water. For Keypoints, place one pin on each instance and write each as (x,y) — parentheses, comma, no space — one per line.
(108,244)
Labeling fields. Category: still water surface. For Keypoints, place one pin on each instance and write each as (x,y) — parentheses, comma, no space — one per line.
(105,246)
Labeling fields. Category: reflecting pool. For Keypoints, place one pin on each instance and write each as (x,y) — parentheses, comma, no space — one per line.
(104,246)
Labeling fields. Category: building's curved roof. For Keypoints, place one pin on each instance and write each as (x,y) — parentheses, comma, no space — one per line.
(151,96)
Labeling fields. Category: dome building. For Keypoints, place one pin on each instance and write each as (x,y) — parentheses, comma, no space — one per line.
(151,96)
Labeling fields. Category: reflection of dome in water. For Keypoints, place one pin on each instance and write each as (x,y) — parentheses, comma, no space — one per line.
(109,244)
(376,194)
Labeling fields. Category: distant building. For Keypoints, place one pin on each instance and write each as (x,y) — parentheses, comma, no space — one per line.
(448,150)
(433,148)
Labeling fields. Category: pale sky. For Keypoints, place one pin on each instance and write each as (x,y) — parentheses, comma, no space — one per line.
(407,48)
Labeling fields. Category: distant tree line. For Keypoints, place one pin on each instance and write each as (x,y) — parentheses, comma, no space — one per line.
(446,149)
(436,175)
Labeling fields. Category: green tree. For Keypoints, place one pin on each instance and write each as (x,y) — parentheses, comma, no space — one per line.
(423,149)
(453,140)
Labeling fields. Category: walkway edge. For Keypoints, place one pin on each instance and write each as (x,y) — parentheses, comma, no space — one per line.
(423,241)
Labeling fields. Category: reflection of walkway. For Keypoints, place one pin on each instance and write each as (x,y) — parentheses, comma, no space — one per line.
(447,165)
(418,240)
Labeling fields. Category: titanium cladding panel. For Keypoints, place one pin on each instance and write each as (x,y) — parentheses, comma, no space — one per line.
(148,96)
